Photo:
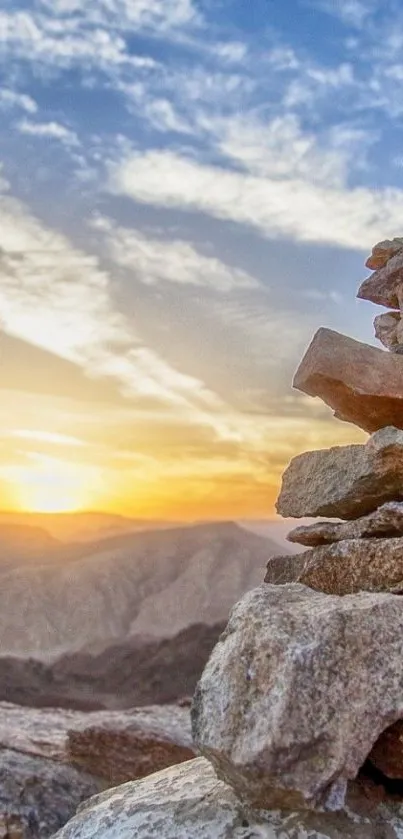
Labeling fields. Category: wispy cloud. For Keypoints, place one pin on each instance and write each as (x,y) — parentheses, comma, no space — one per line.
(52,130)
(14,99)
(297,208)
(57,297)
(153,261)
(51,437)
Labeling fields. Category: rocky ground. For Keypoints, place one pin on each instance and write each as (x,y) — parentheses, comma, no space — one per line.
(52,760)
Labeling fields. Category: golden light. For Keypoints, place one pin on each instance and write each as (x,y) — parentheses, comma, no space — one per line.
(49,485)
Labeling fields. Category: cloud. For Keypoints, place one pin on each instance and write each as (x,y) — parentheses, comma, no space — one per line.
(153,261)
(350,12)
(52,130)
(13,99)
(294,207)
(46,437)
(57,297)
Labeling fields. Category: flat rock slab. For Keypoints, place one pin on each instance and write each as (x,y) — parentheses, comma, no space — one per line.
(386,521)
(299,687)
(362,384)
(383,286)
(345,481)
(344,567)
(188,802)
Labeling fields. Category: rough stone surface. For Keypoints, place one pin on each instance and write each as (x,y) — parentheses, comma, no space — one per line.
(389,330)
(344,567)
(47,755)
(134,749)
(345,481)
(188,802)
(387,754)
(38,796)
(115,745)
(384,286)
(387,520)
(382,252)
(296,692)
(362,384)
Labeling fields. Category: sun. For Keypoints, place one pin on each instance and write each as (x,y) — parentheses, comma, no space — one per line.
(49,485)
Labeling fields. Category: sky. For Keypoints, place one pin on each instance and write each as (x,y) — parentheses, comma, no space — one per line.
(188,190)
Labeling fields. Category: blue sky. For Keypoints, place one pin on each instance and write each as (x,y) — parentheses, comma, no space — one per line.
(188,190)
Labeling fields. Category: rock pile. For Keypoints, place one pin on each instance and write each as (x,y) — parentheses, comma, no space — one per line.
(306,684)
(299,710)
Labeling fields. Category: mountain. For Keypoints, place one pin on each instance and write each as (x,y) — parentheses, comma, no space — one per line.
(82,526)
(147,585)
(24,544)
(125,675)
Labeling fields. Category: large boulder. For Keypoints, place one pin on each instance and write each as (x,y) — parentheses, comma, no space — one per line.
(344,567)
(344,481)
(296,692)
(387,520)
(188,802)
(362,384)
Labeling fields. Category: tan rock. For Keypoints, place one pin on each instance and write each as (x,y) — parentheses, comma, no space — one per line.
(345,481)
(362,384)
(387,754)
(387,520)
(384,286)
(344,567)
(296,692)
(383,252)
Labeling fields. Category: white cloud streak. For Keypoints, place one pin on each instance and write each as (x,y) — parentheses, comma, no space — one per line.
(14,99)
(153,261)
(295,207)
(51,130)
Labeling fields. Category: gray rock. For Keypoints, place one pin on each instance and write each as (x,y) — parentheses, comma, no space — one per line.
(115,745)
(344,567)
(38,796)
(188,802)
(387,520)
(388,330)
(345,481)
(52,759)
(363,384)
(296,692)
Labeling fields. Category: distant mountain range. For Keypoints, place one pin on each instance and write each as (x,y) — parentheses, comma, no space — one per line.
(125,675)
(57,598)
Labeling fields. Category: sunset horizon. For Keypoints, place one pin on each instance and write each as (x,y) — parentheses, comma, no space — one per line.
(187,193)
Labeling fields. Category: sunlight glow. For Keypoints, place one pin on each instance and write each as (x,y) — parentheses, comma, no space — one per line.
(49,485)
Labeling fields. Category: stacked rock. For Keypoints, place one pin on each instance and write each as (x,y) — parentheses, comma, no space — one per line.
(385,287)
(306,684)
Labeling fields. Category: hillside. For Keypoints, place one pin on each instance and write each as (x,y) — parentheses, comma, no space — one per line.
(122,676)
(150,584)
